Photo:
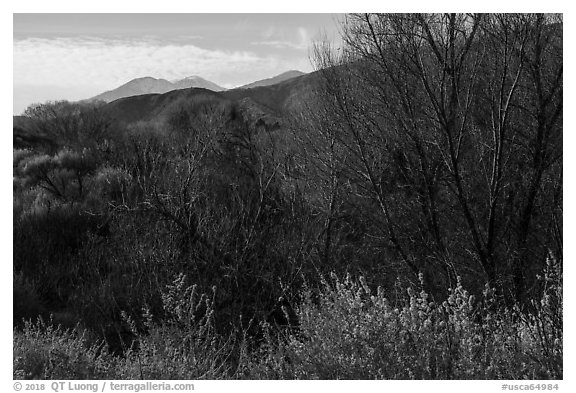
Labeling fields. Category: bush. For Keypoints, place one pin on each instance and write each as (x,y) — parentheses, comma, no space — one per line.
(183,344)
(347,332)
(43,351)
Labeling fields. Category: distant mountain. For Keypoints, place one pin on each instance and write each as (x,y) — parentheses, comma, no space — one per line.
(266,105)
(196,81)
(149,85)
(274,80)
(136,87)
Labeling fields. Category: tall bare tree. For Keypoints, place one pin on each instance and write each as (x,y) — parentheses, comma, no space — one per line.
(452,123)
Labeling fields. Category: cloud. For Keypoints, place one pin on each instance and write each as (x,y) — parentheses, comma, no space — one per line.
(298,39)
(75,68)
(269,32)
(281,44)
(109,62)
(303,35)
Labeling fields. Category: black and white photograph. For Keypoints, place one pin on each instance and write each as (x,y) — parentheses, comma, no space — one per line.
(287,196)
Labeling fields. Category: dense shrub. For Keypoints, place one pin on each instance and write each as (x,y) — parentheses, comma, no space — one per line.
(182,344)
(348,332)
(43,351)
(345,331)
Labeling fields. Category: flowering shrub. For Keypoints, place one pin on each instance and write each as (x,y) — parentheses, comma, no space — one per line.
(345,331)
(348,332)
(43,351)
(183,345)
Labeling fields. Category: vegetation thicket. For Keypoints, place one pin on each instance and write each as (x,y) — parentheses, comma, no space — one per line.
(398,217)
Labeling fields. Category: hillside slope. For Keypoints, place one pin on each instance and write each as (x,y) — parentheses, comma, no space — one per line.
(273,101)
(274,80)
(149,85)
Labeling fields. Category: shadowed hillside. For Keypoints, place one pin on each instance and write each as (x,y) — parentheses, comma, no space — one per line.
(149,85)
(157,107)
(266,102)
(274,80)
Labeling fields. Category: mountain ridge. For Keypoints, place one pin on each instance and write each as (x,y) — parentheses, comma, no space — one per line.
(273,80)
(150,85)
(269,103)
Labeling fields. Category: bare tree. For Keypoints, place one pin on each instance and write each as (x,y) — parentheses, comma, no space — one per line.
(75,125)
(441,115)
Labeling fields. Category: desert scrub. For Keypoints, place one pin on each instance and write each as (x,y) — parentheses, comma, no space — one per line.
(348,332)
(344,331)
(182,344)
(44,351)
(543,325)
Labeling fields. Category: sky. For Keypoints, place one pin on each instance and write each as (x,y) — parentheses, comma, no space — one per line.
(77,56)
